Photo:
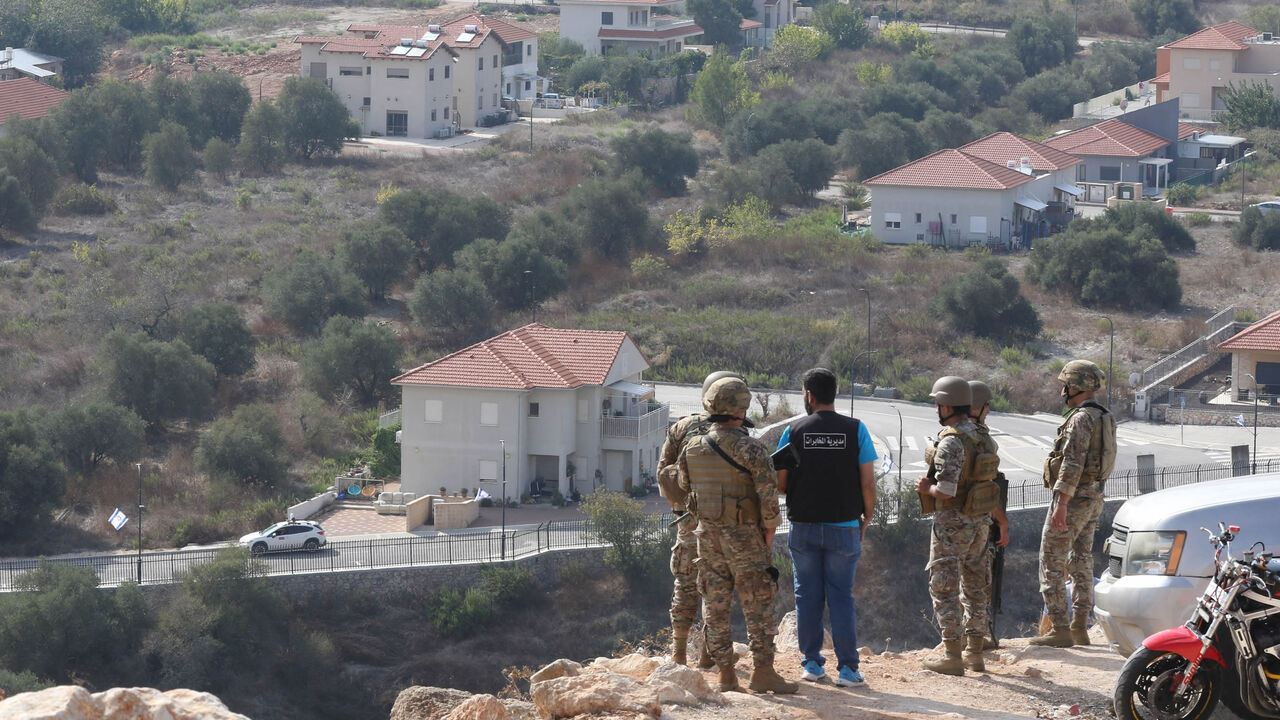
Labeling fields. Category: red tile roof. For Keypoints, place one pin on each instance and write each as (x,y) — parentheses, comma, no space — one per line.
(952,169)
(1112,138)
(1227,36)
(454,29)
(1162,79)
(507,32)
(28,98)
(1001,147)
(749,24)
(380,46)
(1186,130)
(623,2)
(534,356)
(1262,335)
(666,33)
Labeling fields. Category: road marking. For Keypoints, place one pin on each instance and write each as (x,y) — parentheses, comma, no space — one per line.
(1035,442)
(893,442)
(911,444)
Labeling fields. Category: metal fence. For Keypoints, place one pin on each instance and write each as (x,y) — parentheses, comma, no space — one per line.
(494,545)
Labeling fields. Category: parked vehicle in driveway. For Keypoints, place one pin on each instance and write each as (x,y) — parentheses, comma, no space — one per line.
(1157,564)
(285,536)
(1268,206)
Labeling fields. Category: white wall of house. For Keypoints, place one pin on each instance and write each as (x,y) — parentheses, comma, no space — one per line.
(970,214)
(478,80)
(413,94)
(519,79)
(580,22)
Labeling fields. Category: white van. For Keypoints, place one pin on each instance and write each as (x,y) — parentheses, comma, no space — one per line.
(1159,560)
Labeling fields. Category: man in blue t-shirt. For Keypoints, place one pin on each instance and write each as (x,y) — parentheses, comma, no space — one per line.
(831,494)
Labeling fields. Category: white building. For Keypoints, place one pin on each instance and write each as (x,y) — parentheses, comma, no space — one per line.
(1002,190)
(477,88)
(1117,151)
(658,27)
(558,398)
(519,59)
(22,63)
(1199,68)
(394,83)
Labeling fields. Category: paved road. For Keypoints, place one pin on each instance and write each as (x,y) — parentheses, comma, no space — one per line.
(1024,439)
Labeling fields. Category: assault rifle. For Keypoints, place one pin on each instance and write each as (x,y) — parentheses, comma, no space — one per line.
(997,561)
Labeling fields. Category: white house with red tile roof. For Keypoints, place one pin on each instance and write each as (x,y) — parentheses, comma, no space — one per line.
(1198,68)
(477,89)
(956,198)
(519,59)
(1116,151)
(1256,351)
(555,396)
(396,82)
(23,63)
(658,27)
(27,99)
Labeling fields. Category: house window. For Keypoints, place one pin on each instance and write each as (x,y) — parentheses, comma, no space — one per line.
(431,74)
(488,470)
(953,218)
(978,225)
(528,51)
(1190,100)
(584,411)
(367,102)
(495,62)
(495,100)
(1080,173)
(397,73)
(482,63)
(435,411)
(368,69)
(433,116)
(351,71)
(893,221)
(606,18)
(508,88)
(533,409)
(446,72)
(918,218)
(479,102)
(489,414)
(1109,173)
(526,85)
(1190,63)
(1207,152)
(446,113)
(397,124)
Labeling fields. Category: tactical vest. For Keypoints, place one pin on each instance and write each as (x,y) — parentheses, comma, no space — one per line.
(719,493)
(976,491)
(1101,457)
(669,476)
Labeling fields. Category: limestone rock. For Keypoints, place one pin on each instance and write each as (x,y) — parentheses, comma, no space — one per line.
(865,651)
(479,707)
(594,693)
(786,638)
(634,665)
(742,650)
(1033,672)
(689,681)
(69,702)
(520,709)
(426,703)
(559,668)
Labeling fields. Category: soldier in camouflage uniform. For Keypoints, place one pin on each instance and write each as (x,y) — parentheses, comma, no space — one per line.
(957,575)
(684,592)
(980,405)
(734,495)
(1076,470)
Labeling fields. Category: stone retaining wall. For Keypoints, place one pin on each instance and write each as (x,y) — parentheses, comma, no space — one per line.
(1195,416)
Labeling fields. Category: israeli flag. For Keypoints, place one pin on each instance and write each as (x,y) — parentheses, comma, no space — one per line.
(1239,420)
(118,519)
(886,466)
(482,495)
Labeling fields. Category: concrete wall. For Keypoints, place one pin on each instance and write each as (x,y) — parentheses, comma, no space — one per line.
(307,508)
(451,514)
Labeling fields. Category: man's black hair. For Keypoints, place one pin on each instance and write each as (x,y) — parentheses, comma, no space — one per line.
(821,384)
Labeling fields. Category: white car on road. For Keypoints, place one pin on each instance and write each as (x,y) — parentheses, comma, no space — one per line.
(285,536)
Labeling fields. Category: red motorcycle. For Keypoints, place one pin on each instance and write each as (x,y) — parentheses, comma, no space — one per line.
(1229,649)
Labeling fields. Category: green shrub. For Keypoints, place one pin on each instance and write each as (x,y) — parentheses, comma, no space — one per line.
(1015,359)
(1103,267)
(988,302)
(1258,231)
(1197,219)
(1182,194)
(649,269)
(1247,316)
(82,199)
(508,586)
(916,389)
(557,499)
(457,615)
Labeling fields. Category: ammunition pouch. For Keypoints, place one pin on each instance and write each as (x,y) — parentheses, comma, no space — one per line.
(927,503)
(669,486)
(976,494)
(1052,466)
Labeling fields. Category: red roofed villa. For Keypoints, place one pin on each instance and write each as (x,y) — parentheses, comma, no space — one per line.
(1198,68)
(556,397)
(27,98)
(1255,351)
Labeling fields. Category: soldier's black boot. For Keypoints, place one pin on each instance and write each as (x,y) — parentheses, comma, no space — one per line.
(949,664)
(972,657)
(1080,629)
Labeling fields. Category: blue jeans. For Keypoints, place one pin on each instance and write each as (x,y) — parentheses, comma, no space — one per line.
(825,559)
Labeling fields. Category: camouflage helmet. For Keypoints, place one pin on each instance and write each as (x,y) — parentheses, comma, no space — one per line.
(727,396)
(1082,376)
(718,375)
(979,393)
(951,390)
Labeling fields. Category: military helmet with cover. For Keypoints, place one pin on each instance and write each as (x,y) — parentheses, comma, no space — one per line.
(979,394)
(719,375)
(951,390)
(1082,376)
(727,396)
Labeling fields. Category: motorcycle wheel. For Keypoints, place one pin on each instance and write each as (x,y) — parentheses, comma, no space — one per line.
(1144,690)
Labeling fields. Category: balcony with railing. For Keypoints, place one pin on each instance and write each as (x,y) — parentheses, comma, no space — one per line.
(640,421)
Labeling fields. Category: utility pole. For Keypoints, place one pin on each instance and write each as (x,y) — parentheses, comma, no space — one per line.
(1111,359)
(868,294)
(140,520)
(1253,469)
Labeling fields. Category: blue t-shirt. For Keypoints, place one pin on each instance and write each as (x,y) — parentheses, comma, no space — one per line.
(866,454)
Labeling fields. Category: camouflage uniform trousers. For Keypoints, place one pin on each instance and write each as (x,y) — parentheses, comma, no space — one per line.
(684,593)
(1069,552)
(734,557)
(958,573)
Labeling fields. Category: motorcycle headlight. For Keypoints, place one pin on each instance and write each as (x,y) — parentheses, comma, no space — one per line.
(1154,553)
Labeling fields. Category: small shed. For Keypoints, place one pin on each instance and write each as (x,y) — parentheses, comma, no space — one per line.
(1255,351)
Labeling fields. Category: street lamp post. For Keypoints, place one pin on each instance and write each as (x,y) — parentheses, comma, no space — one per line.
(532,102)
(895,409)
(140,523)
(503,545)
(868,294)
(853,371)
(533,293)
(1111,359)
(1253,470)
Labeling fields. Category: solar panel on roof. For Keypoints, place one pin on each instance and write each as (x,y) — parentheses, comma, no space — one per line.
(400,50)
(417,52)
(466,37)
